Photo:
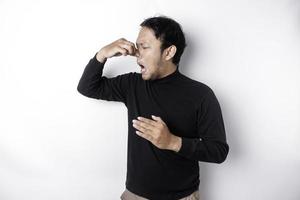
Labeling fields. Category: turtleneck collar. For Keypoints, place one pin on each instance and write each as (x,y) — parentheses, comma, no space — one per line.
(167,78)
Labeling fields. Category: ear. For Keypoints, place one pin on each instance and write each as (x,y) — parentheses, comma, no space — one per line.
(170,52)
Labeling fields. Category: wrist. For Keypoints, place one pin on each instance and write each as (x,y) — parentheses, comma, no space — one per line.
(100,57)
(176,143)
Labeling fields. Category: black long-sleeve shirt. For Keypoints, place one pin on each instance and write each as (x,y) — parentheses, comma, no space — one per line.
(190,110)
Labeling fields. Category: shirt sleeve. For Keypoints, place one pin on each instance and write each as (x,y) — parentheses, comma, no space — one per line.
(94,85)
(211,146)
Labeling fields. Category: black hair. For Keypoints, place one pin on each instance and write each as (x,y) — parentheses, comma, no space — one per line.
(169,32)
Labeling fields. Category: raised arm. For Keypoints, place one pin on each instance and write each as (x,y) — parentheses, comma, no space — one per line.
(94,85)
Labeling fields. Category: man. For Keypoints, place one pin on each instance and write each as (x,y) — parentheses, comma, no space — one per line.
(173,121)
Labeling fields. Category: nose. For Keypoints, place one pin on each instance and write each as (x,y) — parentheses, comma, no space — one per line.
(137,53)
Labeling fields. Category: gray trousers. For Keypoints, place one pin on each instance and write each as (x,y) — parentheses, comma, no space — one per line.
(127,195)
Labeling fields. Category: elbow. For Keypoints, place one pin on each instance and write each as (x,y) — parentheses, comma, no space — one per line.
(88,92)
(80,90)
(221,159)
(223,152)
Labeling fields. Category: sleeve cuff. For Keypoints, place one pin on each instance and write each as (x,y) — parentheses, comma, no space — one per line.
(94,60)
(93,67)
(188,146)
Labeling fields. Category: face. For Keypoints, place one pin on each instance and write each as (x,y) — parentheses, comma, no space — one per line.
(149,56)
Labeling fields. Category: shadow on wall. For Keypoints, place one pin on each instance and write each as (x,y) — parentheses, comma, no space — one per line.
(295,6)
(189,53)
(233,132)
(196,49)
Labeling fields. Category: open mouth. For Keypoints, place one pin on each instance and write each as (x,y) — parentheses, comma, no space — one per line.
(143,68)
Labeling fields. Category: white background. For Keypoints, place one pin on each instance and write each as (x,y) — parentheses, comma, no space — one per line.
(58,144)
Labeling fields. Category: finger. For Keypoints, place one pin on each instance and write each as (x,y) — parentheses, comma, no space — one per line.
(136,53)
(118,54)
(147,121)
(122,51)
(124,46)
(133,48)
(146,136)
(128,47)
(130,43)
(143,124)
(141,128)
(122,39)
(157,119)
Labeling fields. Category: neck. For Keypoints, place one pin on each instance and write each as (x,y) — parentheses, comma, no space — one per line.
(167,69)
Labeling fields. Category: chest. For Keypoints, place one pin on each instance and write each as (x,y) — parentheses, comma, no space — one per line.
(174,106)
